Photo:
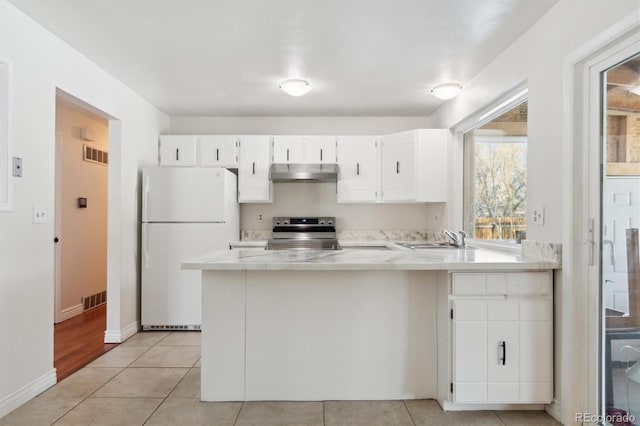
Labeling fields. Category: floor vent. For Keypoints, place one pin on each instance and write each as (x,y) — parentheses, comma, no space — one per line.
(95,155)
(94,300)
(170,327)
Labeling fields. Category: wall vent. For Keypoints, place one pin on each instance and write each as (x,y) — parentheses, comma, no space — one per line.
(94,300)
(94,155)
(170,327)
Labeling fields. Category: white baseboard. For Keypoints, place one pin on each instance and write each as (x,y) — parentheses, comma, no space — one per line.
(119,336)
(450,406)
(554,410)
(27,392)
(71,312)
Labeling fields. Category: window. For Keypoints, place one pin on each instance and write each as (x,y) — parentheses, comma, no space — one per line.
(495,181)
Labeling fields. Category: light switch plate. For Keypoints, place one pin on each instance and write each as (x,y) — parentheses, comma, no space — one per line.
(40,215)
(17,167)
(537,215)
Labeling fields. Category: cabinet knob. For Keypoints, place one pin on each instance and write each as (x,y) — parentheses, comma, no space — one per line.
(503,347)
(358,169)
(397,167)
(55,240)
(254,167)
(177,154)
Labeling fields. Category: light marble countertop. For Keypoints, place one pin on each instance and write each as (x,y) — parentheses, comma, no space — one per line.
(354,257)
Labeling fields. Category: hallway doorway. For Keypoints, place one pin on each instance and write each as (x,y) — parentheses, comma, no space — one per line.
(81,213)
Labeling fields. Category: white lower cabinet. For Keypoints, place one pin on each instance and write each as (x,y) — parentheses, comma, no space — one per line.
(502,349)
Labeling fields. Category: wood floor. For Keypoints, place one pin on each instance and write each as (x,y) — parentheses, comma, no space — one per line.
(79,340)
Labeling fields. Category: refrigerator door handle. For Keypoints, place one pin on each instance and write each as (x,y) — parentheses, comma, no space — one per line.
(145,200)
(145,245)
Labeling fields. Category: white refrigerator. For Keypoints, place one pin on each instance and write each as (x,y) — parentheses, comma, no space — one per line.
(186,212)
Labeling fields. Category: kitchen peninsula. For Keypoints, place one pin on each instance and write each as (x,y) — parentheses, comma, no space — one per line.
(459,325)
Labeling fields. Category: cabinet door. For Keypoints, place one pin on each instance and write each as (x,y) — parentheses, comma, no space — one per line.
(536,351)
(319,149)
(398,167)
(178,150)
(358,165)
(253,169)
(503,360)
(288,149)
(470,351)
(218,151)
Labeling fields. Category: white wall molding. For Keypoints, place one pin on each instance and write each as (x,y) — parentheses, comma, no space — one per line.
(28,391)
(119,336)
(71,312)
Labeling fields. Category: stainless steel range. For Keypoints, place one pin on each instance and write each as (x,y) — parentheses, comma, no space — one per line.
(303,233)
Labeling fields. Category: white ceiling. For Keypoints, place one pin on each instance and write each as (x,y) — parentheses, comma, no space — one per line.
(226,57)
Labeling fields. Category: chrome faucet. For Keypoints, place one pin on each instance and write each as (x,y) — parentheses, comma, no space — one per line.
(457,238)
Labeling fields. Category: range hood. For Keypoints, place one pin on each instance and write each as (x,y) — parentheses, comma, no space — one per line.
(303,172)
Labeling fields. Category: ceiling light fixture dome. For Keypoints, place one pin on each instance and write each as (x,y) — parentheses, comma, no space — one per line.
(295,87)
(446,91)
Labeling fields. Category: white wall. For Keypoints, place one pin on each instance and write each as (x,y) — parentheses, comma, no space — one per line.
(82,231)
(537,57)
(40,63)
(320,199)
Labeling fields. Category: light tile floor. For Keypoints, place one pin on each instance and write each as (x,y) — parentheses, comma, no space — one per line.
(154,379)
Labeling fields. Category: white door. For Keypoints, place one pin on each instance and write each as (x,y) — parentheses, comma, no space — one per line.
(398,167)
(178,150)
(288,149)
(358,165)
(319,149)
(253,169)
(171,295)
(183,194)
(218,151)
(620,211)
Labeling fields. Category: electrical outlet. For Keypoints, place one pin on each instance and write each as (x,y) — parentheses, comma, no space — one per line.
(40,215)
(260,217)
(537,215)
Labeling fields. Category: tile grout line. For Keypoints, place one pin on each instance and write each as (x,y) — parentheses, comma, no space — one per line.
(238,414)
(172,389)
(498,417)
(324,418)
(99,387)
(404,402)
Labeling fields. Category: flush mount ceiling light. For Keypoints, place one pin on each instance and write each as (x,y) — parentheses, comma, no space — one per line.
(446,91)
(295,87)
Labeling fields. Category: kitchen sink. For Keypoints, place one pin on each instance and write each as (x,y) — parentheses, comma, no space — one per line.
(433,245)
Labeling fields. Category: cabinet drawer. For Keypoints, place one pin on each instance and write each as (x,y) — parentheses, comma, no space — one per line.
(469,284)
(501,283)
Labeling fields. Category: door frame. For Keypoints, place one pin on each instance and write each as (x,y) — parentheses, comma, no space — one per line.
(57,276)
(582,213)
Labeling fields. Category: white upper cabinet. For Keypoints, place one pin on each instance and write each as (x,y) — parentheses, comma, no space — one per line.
(254,155)
(304,149)
(178,150)
(414,166)
(319,149)
(288,149)
(358,164)
(218,151)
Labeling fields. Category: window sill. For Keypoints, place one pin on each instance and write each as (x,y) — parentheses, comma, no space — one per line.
(496,245)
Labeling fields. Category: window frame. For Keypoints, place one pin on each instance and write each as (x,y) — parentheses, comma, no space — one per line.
(499,106)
